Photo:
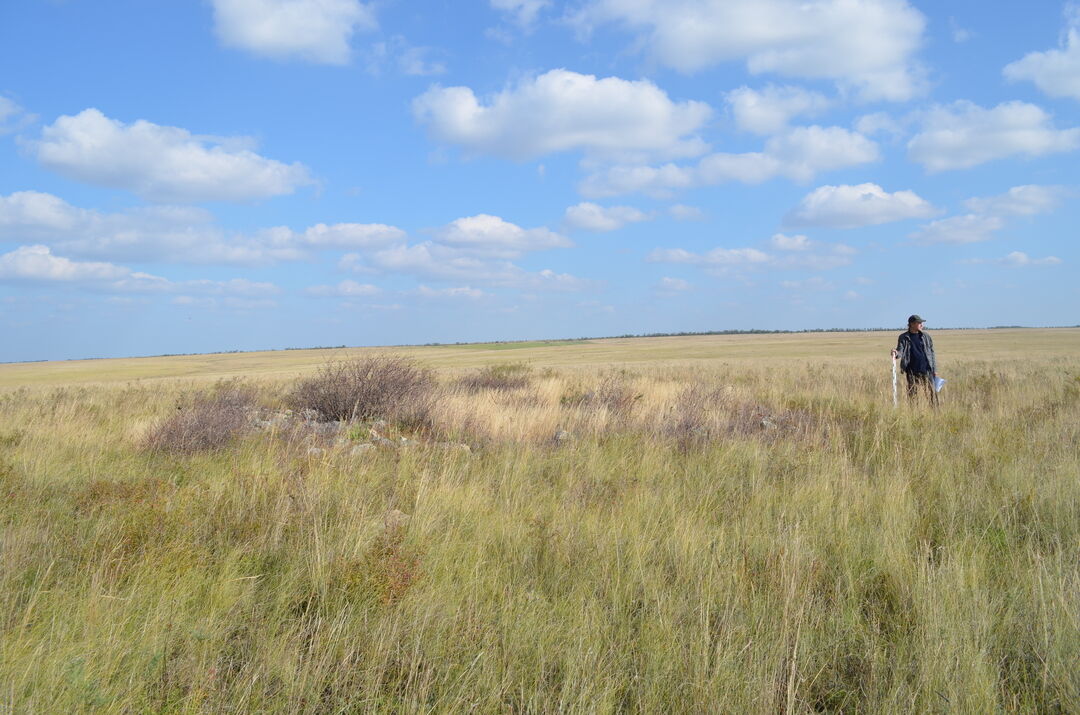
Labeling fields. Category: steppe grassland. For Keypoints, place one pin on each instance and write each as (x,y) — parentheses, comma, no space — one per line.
(738,524)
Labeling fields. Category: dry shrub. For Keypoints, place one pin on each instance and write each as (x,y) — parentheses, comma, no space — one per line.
(206,420)
(614,393)
(701,414)
(389,387)
(501,377)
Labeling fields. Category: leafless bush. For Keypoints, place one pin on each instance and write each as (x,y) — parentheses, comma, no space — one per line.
(614,393)
(701,414)
(205,420)
(502,377)
(391,387)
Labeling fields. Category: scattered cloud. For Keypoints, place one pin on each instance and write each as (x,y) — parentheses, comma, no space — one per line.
(1055,72)
(848,206)
(790,243)
(969,228)
(813,283)
(179,234)
(315,31)
(12,116)
(456,292)
(668,287)
(769,110)
(588,216)
(344,289)
(795,253)
(522,13)
(1020,201)
(866,46)
(962,135)
(565,111)
(38,263)
(798,154)
(397,54)
(430,260)
(682,212)
(715,257)
(881,123)
(988,214)
(1017,259)
(161,163)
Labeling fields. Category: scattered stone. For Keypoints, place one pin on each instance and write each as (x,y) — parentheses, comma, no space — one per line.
(379,424)
(361,449)
(561,437)
(309,415)
(382,441)
(314,451)
(767,424)
(406,442)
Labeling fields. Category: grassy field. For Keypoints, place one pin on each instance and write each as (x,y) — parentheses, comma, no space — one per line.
(694,524)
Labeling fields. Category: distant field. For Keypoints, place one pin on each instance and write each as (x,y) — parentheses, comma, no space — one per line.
(738,524)
(817,348)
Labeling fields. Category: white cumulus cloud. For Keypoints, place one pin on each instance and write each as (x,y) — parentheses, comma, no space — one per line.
(484,234)
(161,163)
(848,206)
(565,111)
(312,30)
(866,45)
(1055,72)
(37,263)
(963,135)
(769,110)
(798,154)
(588,216)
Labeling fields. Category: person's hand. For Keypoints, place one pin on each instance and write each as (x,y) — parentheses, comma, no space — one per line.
(894,353)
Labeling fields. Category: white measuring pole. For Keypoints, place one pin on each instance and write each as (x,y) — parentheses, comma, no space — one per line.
(895,401)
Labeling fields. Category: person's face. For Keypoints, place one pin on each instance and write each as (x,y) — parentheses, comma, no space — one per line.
(915,327)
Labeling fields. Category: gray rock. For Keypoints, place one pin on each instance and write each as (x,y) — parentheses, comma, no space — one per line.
(361,449)
(314,451)
(561,437)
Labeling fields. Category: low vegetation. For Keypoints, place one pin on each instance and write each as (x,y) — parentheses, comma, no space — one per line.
(734,538)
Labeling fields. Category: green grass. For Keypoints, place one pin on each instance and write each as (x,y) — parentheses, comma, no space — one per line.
(851,558)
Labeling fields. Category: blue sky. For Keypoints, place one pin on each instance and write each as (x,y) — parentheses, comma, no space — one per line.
(191,176)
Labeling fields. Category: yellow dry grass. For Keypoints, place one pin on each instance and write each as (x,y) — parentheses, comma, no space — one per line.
(734,524)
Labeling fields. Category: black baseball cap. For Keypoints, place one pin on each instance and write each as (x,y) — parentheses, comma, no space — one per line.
(915,319)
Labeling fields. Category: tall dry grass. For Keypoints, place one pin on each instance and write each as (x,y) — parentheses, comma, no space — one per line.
(741,539)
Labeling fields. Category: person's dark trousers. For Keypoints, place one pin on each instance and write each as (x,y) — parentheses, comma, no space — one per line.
(921,382)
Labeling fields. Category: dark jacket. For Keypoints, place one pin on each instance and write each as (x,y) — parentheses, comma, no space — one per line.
(903,348)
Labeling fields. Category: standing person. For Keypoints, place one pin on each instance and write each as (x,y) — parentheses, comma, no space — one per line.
(916,352)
